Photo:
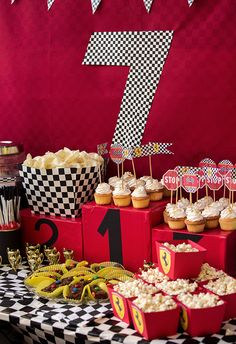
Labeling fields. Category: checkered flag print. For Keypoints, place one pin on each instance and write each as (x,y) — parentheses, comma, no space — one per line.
(190,2)
(233,173)
(211,173)
(159,148)
(145,52)
(148,4)
(8,181)
(225,166)
(50,3)
(95,4)
(128,153)
(207,162)
(59,191)
(140,151)
(181,170)
(102,148)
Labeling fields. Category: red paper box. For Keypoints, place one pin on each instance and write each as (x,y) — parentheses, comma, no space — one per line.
(120,305)
(156,324)
(52,231)
(202,321)
(220,245)
(119,234)
(180,264)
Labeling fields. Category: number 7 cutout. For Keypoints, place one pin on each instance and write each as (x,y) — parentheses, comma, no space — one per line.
(145,52)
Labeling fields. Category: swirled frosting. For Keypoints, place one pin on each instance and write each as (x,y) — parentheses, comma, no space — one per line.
(170,206)
(177,213)
(224,201)
(121,191)
(139,192)
(153,185)
(194,215)
(103,188)
(210,212)
(113,180)
(217,205)
(228,213)
(183,203)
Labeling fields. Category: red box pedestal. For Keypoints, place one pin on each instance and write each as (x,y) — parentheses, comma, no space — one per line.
(220,245)
(52,231)
(119,234)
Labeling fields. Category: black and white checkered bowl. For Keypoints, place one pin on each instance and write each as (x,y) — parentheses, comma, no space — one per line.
(59,191)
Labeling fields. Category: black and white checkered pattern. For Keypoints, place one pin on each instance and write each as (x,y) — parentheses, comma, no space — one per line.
(145,52)
(148,4)
(44,321)
(95,4)
(160,148)
(8,181)
(50,3)
(190,2)
(59,191)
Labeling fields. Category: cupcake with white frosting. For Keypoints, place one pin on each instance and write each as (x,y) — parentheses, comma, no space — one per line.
(195,222)
(154,189)
(112,181)
(140,198)
(103,195)
(121,195)
(211,215)
(217,205)
(183,203)
(176,219)
(224,201)
(228,219)
(133,183)
(166,214)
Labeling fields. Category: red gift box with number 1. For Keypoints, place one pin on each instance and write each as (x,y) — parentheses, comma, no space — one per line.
(180,264)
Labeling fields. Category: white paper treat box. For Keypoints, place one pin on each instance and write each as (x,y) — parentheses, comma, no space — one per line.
(59,191)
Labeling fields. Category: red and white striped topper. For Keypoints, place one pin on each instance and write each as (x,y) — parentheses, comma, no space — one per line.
(190,182)
(171,180)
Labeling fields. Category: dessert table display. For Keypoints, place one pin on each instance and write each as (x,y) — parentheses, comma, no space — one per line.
(41,320)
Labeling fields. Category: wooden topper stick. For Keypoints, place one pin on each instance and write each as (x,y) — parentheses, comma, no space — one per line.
(150,164)
(181,194)
(176,196)
(122,168)
(197,195)
(224,191)
(191,198)
(118,171)
(171,196)
(99,173)
(229,197)
(232,197)
(206,188)
(214,195)
(134,172)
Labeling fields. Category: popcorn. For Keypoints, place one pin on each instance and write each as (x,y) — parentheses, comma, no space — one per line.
(223,286)
(134,288)
(64,158)
(180,247)
(153,276)
(201,300)
(208,273)
(177,287)
(156,303)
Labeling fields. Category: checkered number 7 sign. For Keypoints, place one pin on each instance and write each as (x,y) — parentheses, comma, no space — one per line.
(145,53)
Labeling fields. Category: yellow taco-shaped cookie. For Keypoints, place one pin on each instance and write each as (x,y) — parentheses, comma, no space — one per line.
(70,264)
(78,272)
(58,268)
(50,289)
(120,273)
(97,290)
(75,292)
(98,266)
(105,271)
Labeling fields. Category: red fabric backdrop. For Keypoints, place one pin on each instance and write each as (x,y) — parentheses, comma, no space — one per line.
(49,100)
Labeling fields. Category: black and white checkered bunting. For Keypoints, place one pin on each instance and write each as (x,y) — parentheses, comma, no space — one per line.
(145,52)
(190,2)
(148,4)
(59,191)
(44,321)
(50,3)
(95,4)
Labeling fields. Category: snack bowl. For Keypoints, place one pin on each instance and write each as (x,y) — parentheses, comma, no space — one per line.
(199,322)
(154,325)
(180,264)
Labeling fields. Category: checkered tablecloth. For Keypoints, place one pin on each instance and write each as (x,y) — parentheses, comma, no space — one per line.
(43,321)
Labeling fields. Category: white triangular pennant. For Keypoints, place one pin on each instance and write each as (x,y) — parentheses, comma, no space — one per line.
(50,3)
(148,4)
(95,4)
(190,2)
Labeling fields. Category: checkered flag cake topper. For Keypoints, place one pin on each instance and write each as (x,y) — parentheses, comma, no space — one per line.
(181,170)
(148,4)
(50,3)
(59,191)
(95,4)
(190,2)
(159,148)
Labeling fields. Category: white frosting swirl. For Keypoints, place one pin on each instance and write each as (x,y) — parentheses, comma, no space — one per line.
(103,188)
(145,178)
(127,176)
(183,203)
(139,192)
(120,191)
(170,206)
(153,185)
(177,213)
(228,213)
(224,201)
(210,212)
(194,215)
(217,205)
(113,180)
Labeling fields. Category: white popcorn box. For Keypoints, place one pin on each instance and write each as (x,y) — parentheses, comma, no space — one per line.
(59,191)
